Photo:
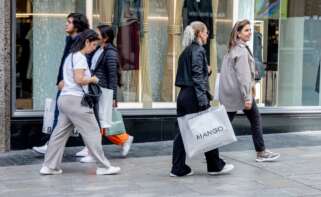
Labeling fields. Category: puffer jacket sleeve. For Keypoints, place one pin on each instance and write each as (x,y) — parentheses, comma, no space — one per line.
(111,60)
(198,56)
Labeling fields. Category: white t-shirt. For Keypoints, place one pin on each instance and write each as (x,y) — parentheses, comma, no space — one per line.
(70,86)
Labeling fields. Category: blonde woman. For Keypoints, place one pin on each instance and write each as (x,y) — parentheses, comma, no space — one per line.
(192,77)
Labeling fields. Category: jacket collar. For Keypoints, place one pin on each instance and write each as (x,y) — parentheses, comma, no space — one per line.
(108,46)
(241,43)
(101,57)
(196,43)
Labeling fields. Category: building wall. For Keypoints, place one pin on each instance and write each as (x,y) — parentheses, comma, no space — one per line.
(5,60)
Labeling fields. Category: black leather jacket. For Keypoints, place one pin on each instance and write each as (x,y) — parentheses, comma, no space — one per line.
(193,71)
(106,69)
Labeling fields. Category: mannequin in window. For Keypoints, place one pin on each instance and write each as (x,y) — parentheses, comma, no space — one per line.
(199,10)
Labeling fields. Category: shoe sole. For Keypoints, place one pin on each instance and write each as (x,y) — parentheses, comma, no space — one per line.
(268,160)
(87,161)
(53,173)
(174,175)
(37,151)
(81,155)
(111,173)
(220,173)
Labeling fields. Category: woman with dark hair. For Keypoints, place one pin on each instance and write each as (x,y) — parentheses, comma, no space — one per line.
(192,77)
(75,24)
(237,86)
(105,65)
(73,113)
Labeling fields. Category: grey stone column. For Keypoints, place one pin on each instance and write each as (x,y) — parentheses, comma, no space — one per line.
(5,75)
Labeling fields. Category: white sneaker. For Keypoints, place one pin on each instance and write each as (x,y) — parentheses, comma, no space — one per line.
(227,168)
(41,149)
(83,153)
(108,171)
(47,171)
(126,146)
(88,159)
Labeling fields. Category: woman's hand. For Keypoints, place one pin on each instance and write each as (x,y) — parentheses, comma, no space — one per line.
(103,131)
(94,79)
(60,85)
(248,105)
(115,104)
(209,70)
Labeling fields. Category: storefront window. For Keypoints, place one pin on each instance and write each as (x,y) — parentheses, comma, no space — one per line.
(127,19)
(286,45)
(40,40)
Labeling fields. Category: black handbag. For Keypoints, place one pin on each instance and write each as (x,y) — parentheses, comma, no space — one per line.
(90,98)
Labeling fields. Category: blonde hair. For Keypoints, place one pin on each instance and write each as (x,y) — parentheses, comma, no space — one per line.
(237,29)
(191,32)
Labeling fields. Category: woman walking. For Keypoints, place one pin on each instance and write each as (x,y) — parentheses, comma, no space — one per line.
(237,86)
(192,77)
(105,66)
(73,113)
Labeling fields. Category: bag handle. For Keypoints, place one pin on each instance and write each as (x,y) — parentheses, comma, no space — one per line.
(72,66)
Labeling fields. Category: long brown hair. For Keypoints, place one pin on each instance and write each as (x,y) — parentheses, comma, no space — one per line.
(236,29)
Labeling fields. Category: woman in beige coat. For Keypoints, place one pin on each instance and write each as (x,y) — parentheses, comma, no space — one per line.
(237,86)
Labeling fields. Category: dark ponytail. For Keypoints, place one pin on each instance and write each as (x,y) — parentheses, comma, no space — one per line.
(107,32)
(80,42)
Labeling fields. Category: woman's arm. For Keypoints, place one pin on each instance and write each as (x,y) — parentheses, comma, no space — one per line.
(198,77)
(243,75)
(80,79)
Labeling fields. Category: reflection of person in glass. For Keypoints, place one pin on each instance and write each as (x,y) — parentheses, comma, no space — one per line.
(73,113)
(105,66)
(75,24)
(192,77)
(237,86)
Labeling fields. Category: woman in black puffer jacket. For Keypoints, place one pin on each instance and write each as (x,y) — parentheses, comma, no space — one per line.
(105,65)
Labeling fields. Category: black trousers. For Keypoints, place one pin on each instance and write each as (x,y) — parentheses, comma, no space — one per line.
(187,104)
(253,115)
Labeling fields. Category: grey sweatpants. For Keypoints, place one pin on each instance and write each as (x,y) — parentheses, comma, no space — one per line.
(73,114)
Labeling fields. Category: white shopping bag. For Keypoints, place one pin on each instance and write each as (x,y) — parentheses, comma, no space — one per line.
(216,88)
(48,115)
(205,131)
(105,108)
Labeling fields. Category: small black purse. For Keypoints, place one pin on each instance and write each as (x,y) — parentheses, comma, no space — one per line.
(91,98)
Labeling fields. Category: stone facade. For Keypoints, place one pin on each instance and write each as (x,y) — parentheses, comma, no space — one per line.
(5,65)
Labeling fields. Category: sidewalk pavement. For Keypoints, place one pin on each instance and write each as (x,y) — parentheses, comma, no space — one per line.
(145,172)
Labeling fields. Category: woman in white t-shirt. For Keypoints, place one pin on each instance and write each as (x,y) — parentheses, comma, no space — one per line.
(76,76)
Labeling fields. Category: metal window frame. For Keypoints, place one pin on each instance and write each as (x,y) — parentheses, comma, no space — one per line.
(127,112)
(13,57)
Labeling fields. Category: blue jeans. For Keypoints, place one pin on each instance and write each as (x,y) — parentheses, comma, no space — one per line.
(56,111)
